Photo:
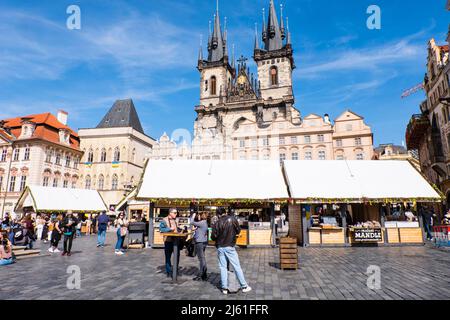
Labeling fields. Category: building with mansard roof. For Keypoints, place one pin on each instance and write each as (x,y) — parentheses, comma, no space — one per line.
(37,149)
(242,115)
(114,152)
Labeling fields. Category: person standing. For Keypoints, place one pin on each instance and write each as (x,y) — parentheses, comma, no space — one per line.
(102,225)
(224,233)
(39,226)
(427,217)
(68,224)
(56,234)
(201,242)
(5,250)
(169,224)
(28,227)
(122,229)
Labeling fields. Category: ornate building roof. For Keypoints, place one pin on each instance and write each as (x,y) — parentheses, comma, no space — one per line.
(47,128)
(122,114)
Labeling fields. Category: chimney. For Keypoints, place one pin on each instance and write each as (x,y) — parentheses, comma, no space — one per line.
(62,117)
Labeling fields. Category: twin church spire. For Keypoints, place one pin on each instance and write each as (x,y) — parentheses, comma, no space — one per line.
(273,36)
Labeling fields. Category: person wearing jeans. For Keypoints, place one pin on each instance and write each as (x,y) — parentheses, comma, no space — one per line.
(201,242)
(121,224)
(68,224)
(224,233)
(102,225)
(167,225)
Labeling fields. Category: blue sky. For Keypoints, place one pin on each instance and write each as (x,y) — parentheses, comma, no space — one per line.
(147,50)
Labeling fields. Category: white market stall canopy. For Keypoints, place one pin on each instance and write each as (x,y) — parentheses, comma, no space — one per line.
(357,181)
(213,179)
(46,199)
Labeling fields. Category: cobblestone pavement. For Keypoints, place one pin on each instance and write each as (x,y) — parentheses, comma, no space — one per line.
(325,273)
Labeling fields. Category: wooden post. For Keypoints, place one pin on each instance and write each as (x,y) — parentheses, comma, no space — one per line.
(344,221)
(151,230)
(272,221)
(305,234)
(383,223)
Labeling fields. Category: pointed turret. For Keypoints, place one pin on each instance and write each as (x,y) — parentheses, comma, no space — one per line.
(256,37)
(216,51)
(283,33)
(274,39)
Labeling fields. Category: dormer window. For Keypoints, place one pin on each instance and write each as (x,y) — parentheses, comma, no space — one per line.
(27,129)
(64,136)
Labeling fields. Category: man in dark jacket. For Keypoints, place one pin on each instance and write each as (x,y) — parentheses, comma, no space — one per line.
(224,233)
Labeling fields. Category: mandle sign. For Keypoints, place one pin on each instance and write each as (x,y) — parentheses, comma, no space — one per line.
(368,235)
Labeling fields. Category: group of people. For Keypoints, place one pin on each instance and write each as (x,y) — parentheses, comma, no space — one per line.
(225,229)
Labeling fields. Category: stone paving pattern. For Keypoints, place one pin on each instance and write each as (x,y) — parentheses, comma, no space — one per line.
(415,273)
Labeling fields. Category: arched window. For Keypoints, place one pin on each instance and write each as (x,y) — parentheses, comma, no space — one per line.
(87,182)
(273,76)
(117,154)
(213,86)
(103,155)
(114,182)
(101,182)
(90,156)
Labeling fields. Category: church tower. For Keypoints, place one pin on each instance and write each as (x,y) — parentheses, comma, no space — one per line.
(275,59)
(216,72)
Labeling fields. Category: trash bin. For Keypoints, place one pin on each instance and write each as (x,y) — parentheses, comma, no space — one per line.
(136,231)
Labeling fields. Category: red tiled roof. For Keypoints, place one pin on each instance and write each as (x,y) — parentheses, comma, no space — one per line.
(445,48)
(47,128)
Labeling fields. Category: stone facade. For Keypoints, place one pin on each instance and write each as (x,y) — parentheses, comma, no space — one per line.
(429,131)
(36,150)
(245,116)
(114,158)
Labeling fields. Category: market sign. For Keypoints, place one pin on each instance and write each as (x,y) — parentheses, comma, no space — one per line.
(367,235)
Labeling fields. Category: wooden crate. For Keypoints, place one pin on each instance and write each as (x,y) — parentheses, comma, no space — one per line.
(288,253)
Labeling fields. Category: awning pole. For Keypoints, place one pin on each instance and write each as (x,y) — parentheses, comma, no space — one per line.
(150,225)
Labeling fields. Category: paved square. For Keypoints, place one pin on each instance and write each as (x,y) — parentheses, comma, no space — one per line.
(325,273)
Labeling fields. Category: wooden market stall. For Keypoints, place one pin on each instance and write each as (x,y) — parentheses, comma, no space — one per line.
(357,202)
(251,188)
(54,200)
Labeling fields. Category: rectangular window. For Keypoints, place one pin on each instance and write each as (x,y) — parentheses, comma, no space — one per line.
(68,161)
(23,183)
(307,139)
(16,154)
(308,155)
(340,157)
(74,184)
(1,183)
(254,143)
(58,159)
(282,157)
(282,141)
(55,183)
(48,156)
(265,141)
(320,138)
(339,143)
(242,143)
(75,163)
(266,157)
(293,140)
(295,156)
(65,183)
(12,184)
(255,157)
(4,153)
(26,156)
(45,182)
(358,141)
(349,127)
(360,156)
(322,155)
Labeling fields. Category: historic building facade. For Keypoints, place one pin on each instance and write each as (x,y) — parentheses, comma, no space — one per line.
(36,150)
(429,131)
(242,115)
(114,153)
